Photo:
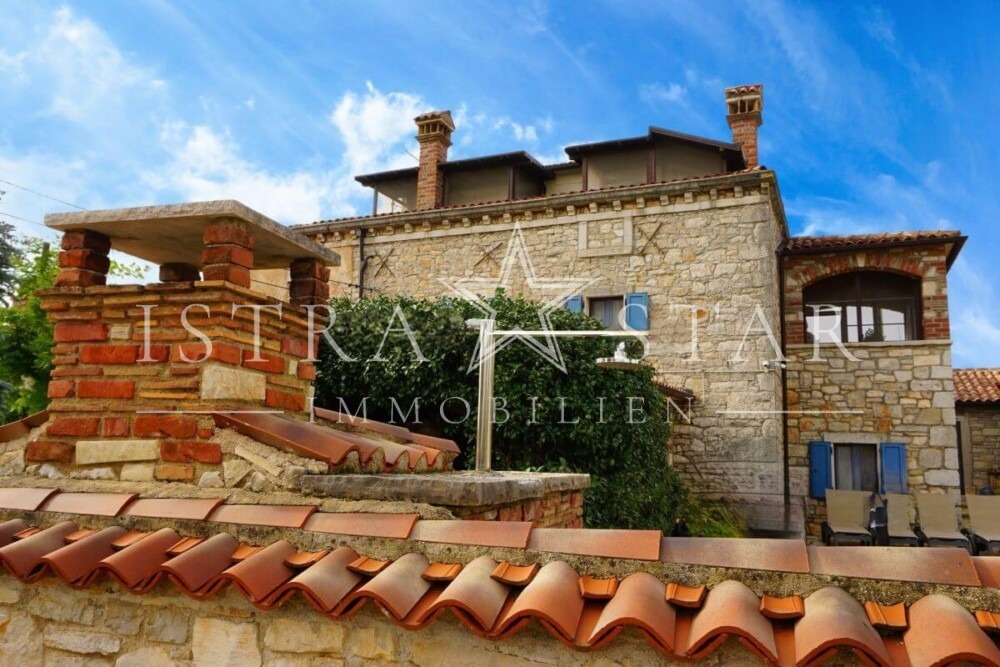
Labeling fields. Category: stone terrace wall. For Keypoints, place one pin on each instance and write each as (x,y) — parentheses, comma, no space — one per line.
(983,432)
(704,246)
(50,623)
(903,392)
(105,393)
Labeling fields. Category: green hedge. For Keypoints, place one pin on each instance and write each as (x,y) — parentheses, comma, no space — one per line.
(632,483)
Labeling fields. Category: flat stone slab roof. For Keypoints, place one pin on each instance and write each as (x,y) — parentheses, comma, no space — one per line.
(173,232)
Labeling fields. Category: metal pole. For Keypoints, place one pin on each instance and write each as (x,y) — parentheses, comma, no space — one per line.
(484,419)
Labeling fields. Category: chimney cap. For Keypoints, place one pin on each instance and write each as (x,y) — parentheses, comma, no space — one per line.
(748,90)
(436,116)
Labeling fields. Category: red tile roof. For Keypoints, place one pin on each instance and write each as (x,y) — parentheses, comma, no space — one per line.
(856,241)
(497,599)
(22,427)
(345,442)
(977,385)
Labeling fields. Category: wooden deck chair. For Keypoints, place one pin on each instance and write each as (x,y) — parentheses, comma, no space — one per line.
(901,534)
(846,517)
(984,523)
(938,522)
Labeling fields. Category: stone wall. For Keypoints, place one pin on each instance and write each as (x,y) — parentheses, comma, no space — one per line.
(982,429)
(116,403)
(894,392)
(560,509)
(704,251)
(50,623)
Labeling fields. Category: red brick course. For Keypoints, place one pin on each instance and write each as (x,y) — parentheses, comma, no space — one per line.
(105,389)
(173,426)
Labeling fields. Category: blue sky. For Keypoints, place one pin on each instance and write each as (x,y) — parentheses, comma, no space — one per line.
(876,116)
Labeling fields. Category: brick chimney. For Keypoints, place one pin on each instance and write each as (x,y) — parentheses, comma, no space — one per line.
(133,385)
(744,105)
(434,134)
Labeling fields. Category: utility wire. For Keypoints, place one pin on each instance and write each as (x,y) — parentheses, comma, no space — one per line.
(17,217)
(42,194)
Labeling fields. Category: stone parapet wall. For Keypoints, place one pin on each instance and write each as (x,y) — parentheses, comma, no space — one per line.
(49,623)
(894,392)
(124,393)
(982,429)
(560,509)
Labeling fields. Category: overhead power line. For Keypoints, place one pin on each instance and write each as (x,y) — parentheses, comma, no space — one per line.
(42,194)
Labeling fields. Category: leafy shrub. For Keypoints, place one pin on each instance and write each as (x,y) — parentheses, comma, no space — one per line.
(557,421)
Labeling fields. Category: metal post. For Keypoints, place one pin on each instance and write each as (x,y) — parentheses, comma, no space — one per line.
(484,419)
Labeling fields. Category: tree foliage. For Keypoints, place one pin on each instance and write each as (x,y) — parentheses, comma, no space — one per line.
(555,420)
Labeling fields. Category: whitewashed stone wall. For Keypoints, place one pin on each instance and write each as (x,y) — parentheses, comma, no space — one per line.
(704,251)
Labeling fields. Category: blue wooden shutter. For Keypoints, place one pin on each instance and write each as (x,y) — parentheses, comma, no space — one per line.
(893,467)
(637,311)
(820,478)
(574,304)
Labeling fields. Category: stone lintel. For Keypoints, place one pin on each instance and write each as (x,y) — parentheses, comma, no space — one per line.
(455,489)
(115,451)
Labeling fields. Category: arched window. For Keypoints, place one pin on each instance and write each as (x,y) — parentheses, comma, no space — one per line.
(865,306)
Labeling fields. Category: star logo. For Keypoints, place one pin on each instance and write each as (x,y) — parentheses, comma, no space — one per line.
(478,290)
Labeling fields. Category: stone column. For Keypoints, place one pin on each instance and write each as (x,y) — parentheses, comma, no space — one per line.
(310,282)
(228,252)
(83,261)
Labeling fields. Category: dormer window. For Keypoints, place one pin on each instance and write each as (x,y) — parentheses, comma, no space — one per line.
(863,307)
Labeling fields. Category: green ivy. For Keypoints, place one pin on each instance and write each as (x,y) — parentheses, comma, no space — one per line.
(632,485)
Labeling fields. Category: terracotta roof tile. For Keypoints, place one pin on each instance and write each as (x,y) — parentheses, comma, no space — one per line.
(282,516)
(515,575)
(977,385)
(393,430)
(731,609)
(752,554)
(782,608)
(397,526)
(24,499)
(98,504)
(193,509)
(608,543)
(988,569)
(442,571)
(887,616)
(942,632)
(372,448)
(512,534)
(932,565)
(988,620)
(22,427)
(834,620)
(496,601)
(803,243)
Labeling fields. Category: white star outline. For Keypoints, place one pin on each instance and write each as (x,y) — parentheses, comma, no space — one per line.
(472,289)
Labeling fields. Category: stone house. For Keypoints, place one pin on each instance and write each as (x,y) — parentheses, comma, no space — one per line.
(178,506)
(977,401)
(686,238)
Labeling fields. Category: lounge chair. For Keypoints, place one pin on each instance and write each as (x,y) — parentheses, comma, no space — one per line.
(984,523)
(846,517)
(899,506)
(938,522)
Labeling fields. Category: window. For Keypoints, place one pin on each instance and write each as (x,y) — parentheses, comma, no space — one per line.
(858,467)
(868,306)
(606,310)
(855,467)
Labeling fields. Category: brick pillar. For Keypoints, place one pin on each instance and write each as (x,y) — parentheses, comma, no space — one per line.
(310,282)
(228,252)
(745,104)
(83,261)
(434,135)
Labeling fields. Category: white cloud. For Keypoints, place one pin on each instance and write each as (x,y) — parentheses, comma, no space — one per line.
(657,93)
